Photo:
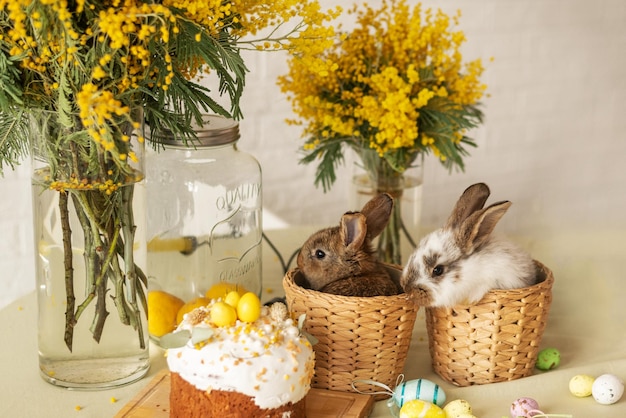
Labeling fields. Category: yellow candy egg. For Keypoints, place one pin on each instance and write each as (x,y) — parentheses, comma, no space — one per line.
(458,408)
(421,409)
(221,289)
(223,315)
(232,298)
(249,307)
(580,385)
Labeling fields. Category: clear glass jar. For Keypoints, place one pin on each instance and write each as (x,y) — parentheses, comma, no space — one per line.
(92,328)
(204,214)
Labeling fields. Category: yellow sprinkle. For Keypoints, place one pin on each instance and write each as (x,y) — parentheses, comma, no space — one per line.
(20,308)
(113,400)
(77,407)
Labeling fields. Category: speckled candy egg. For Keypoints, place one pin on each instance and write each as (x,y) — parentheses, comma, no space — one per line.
(607,389)
(522,407)
(580,385)
(458,408)
(548,358)
(421,409)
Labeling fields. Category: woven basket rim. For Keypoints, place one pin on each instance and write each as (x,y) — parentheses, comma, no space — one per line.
(290,281)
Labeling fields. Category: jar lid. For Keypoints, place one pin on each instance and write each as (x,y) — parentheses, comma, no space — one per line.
(215,130)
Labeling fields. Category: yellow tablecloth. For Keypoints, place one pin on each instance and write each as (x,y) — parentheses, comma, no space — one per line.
(587,324)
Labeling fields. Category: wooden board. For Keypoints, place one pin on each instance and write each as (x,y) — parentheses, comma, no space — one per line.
(153,402)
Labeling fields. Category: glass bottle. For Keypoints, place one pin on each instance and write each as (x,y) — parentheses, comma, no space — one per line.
(204,214)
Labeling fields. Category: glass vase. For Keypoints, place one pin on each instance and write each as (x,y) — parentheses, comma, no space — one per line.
(372,175)
(90,250)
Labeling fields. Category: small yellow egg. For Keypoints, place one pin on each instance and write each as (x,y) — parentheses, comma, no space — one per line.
(232,298)
(458,408)
(417,408)
(223,315)
(580,385)
(249,307)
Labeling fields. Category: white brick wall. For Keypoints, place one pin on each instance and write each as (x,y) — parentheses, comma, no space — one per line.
(17,272)
(553,141)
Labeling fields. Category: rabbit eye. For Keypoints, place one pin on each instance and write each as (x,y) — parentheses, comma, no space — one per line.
(438,270)
(319,254)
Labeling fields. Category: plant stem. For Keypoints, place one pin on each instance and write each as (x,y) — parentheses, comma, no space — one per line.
(128,228)
(101,311)
(110,241)
(389,249)
(94,270)
(70,320)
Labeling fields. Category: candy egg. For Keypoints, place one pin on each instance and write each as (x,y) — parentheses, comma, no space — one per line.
(422,389)
(421,409)
(607,389)
(580,385)
(232,298)
(548,358)
(223,315)
(249,307)
(458,408)
(522,407)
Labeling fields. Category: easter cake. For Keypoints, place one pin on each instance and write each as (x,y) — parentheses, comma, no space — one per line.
(239,360)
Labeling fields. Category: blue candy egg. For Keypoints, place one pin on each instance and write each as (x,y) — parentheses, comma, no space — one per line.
(422,389)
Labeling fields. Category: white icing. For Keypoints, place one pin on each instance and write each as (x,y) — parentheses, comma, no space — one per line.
(267,360)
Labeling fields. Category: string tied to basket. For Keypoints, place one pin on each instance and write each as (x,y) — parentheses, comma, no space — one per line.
(404,391)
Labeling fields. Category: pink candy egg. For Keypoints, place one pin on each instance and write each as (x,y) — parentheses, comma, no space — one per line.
(524,407)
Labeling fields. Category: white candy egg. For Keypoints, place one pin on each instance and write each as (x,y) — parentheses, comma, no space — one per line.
(607,389)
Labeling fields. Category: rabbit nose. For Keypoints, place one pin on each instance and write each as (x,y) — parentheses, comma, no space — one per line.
(418,294)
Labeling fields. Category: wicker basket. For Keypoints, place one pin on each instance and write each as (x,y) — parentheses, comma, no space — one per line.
(496,339)
(359,337)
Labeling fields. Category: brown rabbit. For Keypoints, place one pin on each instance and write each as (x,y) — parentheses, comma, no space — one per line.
(341,260)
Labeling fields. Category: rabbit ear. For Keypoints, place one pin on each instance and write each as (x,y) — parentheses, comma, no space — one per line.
(353,230)
(377,213)
(472,200)
(479,225)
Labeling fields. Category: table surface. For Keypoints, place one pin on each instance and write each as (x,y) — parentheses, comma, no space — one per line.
(587,323)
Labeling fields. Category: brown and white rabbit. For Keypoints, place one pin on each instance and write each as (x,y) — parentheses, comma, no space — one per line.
(462,261)
(341,260)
